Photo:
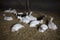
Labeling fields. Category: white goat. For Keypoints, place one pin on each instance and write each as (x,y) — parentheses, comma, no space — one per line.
(8,10)
(51,24)
(30,17)
(27,18)
(35,22)
(7,18)
(43,28)
(11,11)
(16,27)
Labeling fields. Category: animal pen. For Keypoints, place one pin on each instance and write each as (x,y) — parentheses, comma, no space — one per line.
(29,20)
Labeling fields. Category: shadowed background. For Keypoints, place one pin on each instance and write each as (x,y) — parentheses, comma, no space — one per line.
(41,5)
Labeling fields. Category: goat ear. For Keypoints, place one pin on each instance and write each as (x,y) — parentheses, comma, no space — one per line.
(51,19)
(30,13)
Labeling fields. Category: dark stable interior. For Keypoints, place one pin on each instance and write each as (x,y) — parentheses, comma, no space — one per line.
(39,7)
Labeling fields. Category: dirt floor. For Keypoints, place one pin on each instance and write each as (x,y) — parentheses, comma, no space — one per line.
(28,33)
